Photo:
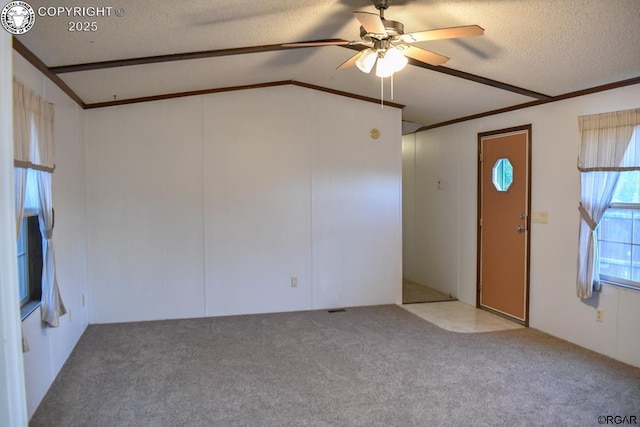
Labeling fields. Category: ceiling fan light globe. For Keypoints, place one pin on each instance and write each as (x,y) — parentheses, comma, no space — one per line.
(384,68)
(365,62)
(396,58)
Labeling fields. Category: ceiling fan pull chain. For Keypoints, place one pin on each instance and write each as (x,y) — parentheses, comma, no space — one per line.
(392,87)
(381,93)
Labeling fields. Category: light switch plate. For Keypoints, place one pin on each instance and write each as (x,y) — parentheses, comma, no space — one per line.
(540,217)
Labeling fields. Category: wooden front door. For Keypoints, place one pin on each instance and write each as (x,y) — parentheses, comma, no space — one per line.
(504,220)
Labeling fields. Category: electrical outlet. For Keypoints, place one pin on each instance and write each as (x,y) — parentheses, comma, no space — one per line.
(294,282)
(599,315)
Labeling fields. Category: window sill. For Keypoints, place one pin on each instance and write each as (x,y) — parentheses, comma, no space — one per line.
(28,308)
(620,285)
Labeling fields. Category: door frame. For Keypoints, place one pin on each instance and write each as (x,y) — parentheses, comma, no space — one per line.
(481,135)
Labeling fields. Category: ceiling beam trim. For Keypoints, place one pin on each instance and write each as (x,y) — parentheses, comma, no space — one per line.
(471,77)
(482,80)
(279,47)
(348,95)
(176,57)
(541,99)
(36,62)
(583,92)
(236,88)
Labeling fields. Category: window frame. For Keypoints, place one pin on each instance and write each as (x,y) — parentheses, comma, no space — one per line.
(34,265)
(618,281)
(23,267)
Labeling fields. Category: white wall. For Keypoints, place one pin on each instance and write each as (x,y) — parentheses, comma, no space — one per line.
(356,204)
(409,262)
(208,205)
(257,201)
(144,199)
(444,226)
(50,347)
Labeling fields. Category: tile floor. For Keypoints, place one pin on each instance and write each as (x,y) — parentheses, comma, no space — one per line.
(457,316)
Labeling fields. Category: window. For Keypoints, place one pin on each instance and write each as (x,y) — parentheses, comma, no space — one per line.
(30,249)
(23,264)
(34,150)
(30,264)
(609,146)
(502,174)
(619,233)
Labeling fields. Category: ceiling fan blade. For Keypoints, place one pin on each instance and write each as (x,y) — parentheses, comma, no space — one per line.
(371,22)
(311,43)
(443,33)
(423,55)
(351,62)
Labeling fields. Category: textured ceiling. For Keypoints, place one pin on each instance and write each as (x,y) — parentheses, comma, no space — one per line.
(552,47)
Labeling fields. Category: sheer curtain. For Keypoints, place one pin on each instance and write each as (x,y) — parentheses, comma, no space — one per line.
(21,153)
(52,305)
(20,179)
(605,151)
(21,147)
(33,146)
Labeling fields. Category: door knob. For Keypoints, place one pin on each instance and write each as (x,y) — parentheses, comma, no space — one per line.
(521,229)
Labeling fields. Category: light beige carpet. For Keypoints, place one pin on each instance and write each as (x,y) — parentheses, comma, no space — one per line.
(413,292)
(365,366)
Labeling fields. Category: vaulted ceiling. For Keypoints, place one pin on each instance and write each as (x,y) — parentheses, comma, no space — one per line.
(532,51)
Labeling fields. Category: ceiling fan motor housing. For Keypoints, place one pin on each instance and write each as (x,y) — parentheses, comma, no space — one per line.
(386,40)
(394,29)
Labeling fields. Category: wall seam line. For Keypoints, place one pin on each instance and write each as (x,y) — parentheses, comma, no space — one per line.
(202,211)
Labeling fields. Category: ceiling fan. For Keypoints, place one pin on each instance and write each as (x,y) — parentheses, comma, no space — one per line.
(388,45)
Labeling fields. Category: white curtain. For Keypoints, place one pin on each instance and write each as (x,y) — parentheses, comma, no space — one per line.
(52,305)
(605,141)
(21,123)
(22,153)
(33,147)
(597,191)
(20,179)
(604,152)
(21,146)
